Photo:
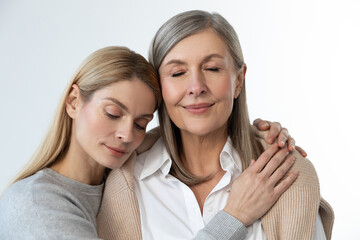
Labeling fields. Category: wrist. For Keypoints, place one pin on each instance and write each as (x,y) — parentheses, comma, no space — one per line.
(238,214)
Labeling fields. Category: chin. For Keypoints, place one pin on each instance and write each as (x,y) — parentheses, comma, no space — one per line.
(115,164)
(202,130)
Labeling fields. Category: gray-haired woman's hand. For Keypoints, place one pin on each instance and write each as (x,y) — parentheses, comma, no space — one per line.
(256,190)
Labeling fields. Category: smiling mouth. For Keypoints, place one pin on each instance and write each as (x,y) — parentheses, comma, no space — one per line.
(198,108)
(116,151)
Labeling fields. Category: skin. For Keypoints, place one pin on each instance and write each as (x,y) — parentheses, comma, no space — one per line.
(106,129)
(199,83)
(282,139)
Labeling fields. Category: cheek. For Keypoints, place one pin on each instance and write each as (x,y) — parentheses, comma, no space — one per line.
(171,91)
(224,89)
(92,124)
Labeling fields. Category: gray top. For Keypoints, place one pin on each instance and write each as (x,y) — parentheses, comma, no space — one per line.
(48,205)
(223,227)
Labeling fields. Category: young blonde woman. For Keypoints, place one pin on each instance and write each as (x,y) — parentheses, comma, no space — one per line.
(183,180)
(101,119)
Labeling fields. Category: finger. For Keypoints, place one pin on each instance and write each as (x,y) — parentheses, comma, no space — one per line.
(265,158)
(274,131)
(261,124)
(275,162)
(282,170)
(252,162)
(301,151)
(285,184)
(283,137)
(291,143)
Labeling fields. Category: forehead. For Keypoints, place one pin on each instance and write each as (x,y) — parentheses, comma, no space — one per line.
(133,92)
(199,45)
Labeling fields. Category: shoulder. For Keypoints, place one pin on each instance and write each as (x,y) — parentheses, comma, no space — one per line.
(35,192)
(19,209)
(24,193)
(42,208)
(307,173)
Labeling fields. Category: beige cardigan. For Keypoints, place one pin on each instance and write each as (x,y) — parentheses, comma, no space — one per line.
(292,217)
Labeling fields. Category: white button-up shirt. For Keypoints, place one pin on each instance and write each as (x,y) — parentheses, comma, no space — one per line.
(168,207)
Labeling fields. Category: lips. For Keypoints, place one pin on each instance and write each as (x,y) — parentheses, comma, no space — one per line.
(198,108)
(116,151)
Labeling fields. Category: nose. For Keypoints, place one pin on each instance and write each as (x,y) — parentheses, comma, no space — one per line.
(125,131)
(197,84)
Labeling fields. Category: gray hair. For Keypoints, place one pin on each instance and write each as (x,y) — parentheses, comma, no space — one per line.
(189,23)
(239,129)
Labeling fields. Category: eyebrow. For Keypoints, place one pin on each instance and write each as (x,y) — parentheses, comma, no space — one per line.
(123,106)
(207,58)
(214,55)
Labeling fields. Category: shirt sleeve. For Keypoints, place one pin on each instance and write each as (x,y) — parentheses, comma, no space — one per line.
(222,227)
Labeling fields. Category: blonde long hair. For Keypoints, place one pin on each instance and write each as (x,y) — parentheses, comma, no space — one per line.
(239,129)
(102,68)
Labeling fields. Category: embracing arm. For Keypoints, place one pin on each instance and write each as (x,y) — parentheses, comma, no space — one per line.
(247,202)
(223,227)
(252,194)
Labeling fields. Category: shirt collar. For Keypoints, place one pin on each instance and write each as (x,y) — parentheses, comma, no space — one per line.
(229,157)
(158,158)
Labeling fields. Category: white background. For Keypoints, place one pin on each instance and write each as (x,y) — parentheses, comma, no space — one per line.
(303,71)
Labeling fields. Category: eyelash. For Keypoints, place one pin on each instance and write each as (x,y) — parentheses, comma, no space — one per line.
(112,116)
(213,69)
(137,126)
(178,74)
(140,127)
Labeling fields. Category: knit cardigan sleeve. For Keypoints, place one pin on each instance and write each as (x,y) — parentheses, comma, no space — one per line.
(293,215)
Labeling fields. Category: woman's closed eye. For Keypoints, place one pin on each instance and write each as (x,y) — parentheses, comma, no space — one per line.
(112,116)
(141,124)
(112,112)
(140,127)
(212,69)
(177,74)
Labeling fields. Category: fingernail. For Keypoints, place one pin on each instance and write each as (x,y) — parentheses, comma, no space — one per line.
(282,143)
(265,124)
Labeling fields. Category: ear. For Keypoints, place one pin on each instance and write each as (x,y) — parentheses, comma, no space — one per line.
(240,80)
(73,101)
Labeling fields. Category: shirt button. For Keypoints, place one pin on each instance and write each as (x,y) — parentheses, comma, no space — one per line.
(210,209)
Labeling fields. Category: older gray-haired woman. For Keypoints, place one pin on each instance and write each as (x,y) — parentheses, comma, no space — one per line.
(206,148)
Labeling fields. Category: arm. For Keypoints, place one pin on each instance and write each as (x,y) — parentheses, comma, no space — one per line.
(252,194)
(300,221)
(303,198)
(222,227)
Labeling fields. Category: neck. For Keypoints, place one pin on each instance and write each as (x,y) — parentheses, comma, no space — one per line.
(77,165)
(200,154)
